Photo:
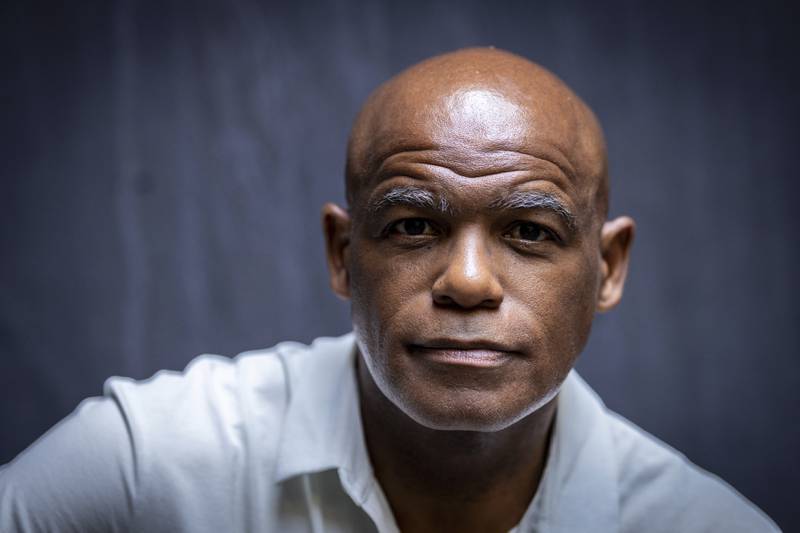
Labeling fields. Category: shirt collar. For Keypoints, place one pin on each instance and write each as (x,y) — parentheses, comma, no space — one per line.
(322,428)
(323,431)
(579,491)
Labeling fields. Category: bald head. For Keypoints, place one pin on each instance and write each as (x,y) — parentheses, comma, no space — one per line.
(484,104)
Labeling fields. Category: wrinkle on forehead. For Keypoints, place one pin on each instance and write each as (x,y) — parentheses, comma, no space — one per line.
(470,164)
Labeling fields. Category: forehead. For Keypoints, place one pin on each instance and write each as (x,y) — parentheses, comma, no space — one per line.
(472,131)
(483,116)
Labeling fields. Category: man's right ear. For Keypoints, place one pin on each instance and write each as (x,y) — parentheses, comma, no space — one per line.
(336,226)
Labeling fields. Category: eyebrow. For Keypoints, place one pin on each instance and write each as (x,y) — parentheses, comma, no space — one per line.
(411,196)
(535,200)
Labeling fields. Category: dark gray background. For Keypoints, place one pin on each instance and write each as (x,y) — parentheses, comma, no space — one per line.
(164,165)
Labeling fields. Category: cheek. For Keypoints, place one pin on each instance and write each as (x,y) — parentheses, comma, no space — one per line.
(562,298)
(384,289)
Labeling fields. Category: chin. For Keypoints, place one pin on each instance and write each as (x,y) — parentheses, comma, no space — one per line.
(477,412)
(463,423)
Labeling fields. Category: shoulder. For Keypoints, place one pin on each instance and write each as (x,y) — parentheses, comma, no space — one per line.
(661,490)
(150,450)
(214,409)
(220,412)
(210,393)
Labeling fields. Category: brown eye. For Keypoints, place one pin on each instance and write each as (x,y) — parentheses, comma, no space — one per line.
(528,231)
(413,227)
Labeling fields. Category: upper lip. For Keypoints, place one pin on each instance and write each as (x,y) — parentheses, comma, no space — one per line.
(463,344)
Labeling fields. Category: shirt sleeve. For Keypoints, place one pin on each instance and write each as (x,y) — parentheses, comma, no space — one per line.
(79,476)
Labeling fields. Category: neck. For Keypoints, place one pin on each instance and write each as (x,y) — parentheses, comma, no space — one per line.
(453,480)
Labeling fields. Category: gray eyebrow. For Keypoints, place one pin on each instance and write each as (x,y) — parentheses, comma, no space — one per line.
(416,197)
(535,200)
(412,197)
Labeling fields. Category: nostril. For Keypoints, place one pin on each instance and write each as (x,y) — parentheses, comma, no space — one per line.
(443,299)
(467,301)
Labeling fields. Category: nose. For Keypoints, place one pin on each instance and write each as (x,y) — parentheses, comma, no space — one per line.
(469,279)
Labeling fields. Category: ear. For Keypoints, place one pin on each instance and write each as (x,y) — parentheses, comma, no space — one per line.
(336,229)
(616,238)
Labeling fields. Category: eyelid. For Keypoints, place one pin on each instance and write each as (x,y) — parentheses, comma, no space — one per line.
(392,225)
(551,233)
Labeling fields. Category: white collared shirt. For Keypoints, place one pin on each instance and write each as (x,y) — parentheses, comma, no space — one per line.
(272,441)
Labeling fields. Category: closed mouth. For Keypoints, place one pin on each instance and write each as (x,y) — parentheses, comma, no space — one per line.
(473,353)
(462,344)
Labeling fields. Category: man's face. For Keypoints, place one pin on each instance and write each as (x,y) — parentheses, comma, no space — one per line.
(473,261)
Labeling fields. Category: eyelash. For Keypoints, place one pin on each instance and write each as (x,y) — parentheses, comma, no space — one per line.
(393,226)
(548,233)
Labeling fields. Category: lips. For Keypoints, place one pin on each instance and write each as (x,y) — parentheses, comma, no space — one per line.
(463,344)
(478,353)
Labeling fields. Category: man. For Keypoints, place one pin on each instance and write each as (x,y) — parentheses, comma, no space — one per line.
(476,252)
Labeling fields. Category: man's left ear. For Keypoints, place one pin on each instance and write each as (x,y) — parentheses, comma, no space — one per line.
(616,238)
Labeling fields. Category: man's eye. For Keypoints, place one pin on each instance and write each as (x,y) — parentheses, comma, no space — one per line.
(412,227)
(529,231)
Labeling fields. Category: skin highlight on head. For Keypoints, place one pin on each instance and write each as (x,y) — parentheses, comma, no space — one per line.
(475,252)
